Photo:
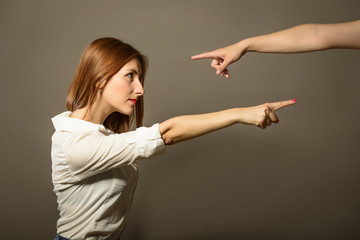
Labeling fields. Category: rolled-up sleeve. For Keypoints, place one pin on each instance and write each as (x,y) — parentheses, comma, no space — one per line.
(147,140)
(91,153)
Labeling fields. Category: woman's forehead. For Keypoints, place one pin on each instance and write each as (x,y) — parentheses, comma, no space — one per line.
(131,65)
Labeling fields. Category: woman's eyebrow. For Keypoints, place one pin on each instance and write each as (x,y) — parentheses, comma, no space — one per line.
(133,70)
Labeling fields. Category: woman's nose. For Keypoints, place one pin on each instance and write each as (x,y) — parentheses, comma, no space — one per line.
(139,89)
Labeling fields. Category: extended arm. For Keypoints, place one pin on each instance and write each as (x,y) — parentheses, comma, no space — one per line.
(183,128)
(306,38)
(301,38)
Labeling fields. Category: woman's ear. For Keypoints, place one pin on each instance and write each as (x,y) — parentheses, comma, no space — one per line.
(100,85)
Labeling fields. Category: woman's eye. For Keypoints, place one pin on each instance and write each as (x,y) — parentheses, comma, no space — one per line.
(130,75)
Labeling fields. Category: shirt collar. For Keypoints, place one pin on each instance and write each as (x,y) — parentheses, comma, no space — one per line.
(63,121)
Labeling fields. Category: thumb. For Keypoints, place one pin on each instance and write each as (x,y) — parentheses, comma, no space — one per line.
(281,104)
(221,68)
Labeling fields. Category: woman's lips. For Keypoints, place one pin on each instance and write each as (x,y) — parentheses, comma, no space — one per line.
(133,101)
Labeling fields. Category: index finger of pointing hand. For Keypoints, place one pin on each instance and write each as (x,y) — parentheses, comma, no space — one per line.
(281,104)
(203,55)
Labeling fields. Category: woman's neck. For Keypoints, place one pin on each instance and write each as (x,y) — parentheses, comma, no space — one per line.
(92,114)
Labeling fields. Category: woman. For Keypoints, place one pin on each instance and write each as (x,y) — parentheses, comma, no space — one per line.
(94,147)
(298,39)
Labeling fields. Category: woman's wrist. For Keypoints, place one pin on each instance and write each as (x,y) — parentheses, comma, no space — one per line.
(238,115)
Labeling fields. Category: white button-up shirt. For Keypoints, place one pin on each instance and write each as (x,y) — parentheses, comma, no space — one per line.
(94,175)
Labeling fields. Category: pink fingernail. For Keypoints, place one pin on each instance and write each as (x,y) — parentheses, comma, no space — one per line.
(293,100)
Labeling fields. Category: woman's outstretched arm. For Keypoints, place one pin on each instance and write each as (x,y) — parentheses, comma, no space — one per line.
(301,38)
(182,128)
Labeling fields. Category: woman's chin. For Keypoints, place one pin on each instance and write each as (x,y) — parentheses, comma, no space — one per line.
(127,113)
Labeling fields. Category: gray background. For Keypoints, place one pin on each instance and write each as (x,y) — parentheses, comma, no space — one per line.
(296,180)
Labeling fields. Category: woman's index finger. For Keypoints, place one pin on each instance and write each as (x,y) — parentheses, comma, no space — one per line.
(281,104)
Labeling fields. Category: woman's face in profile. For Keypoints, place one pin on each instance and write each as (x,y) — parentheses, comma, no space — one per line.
(123,89)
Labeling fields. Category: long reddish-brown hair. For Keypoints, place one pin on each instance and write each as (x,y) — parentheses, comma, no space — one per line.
(102,59)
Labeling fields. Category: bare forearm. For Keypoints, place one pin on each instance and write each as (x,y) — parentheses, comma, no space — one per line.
(306,38)
(296,39)
(182,128)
